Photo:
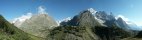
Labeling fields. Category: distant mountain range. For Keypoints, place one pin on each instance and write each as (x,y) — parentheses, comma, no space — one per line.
(87,25)
(100,25)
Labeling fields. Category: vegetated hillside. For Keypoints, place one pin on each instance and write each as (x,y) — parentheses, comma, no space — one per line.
(72,33)
(68,32)
(111,33)
(10,32)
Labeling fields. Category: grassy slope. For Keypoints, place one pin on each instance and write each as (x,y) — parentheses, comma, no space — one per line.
(10,32)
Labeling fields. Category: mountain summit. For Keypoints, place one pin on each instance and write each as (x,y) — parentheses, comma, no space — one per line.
(39,24)
(85,18)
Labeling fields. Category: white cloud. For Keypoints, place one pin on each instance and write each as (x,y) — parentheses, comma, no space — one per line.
(19,20)
(92,10)
(41,10)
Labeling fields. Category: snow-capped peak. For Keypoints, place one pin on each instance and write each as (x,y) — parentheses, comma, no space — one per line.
(18,21)
(67,19)
(64,20)
(92,10)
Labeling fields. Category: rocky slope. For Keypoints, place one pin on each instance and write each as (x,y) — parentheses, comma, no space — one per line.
(38,25)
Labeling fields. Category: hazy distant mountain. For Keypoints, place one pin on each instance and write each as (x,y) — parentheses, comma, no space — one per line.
(39,25)
(133,26)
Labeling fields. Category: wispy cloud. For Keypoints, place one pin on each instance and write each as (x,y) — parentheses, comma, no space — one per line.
(41,10)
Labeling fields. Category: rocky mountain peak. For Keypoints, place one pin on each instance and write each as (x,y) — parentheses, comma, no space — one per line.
(39,24)
(85,18)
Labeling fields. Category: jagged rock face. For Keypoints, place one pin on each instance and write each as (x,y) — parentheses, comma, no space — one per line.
(85,18)
(39,25)
(101,15)
(108,19)
(104,16)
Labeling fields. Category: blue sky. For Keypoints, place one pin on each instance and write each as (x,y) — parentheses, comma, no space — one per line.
(59,9)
